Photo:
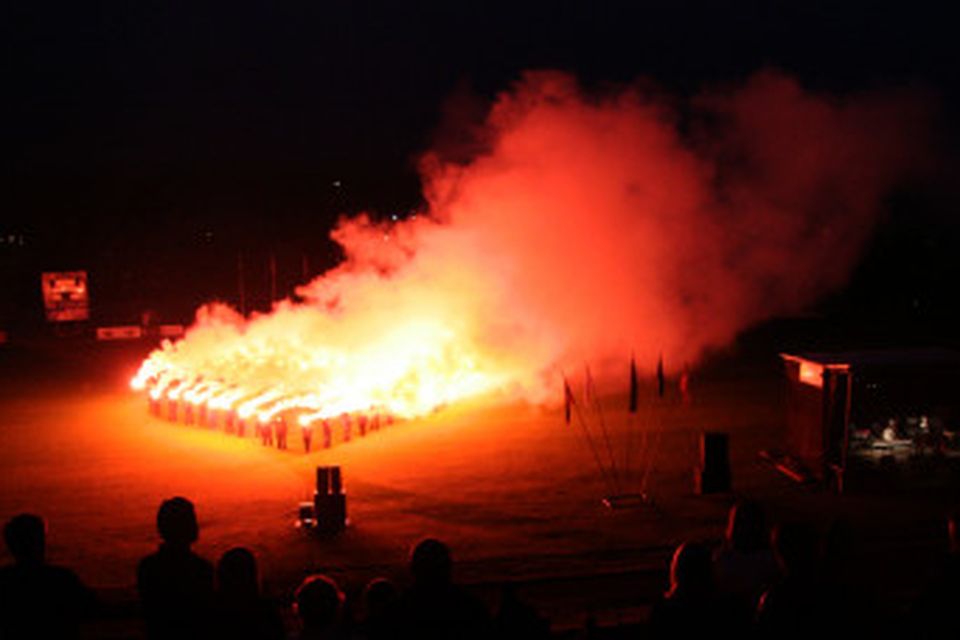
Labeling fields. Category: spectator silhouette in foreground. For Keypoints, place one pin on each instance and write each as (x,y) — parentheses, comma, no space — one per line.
(380,601)
(435,607)
(745,566)
(517,619)
(849,602)
(38,600)
(935,613)
(241,612)
(796,606)
(691,607)
(318,603)
(175,584)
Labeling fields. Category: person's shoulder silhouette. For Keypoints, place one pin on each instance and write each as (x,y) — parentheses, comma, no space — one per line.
(38,600)
(241,611)
(518,619)
(175,584)
(797,604)
(745,566)
(690,607)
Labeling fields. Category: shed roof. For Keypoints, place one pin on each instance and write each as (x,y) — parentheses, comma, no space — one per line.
(908,357)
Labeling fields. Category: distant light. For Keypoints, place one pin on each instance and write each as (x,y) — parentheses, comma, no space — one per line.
(337,184)
(394,217)
(811,374)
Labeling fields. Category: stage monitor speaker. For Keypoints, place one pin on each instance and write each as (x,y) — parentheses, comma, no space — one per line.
(336,487)
(323,481)
(330,512)
(329,481)
(330,503)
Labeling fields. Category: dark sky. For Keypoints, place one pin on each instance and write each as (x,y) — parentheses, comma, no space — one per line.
(128,119)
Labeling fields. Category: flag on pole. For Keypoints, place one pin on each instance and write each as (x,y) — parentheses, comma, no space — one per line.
(684,386)
(634,385)
(567,400)
(661,383)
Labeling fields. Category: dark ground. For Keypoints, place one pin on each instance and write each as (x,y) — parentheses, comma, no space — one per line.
(512,489)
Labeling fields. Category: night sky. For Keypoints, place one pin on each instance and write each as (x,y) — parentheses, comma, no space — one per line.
(154,143)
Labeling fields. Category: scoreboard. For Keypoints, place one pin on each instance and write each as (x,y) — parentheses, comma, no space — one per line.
(65,296)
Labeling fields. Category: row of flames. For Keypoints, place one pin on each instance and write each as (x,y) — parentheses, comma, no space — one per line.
(307,366)
(215,403)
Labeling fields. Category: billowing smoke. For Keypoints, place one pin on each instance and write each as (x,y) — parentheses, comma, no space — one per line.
(587,228)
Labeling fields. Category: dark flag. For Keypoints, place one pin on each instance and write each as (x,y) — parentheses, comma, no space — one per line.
(684,386)
(660,381)
(567,400)
(634,386)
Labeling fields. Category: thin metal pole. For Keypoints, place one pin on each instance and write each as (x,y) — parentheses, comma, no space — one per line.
(240,284)
(273,277)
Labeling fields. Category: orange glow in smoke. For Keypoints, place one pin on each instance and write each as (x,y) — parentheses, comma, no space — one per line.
(587,229)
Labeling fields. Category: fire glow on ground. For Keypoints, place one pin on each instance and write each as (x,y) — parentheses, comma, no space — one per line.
(512,488)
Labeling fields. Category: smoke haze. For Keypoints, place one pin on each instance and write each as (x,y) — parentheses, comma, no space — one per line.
(590,227)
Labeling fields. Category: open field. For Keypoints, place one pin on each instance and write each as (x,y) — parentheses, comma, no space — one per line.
(512,489)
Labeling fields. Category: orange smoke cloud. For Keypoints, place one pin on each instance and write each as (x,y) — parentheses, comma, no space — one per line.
(589,227)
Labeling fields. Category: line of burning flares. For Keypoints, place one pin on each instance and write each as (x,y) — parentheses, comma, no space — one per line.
(195,400)
(268,378)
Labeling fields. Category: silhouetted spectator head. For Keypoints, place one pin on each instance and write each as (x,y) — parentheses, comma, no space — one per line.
(25,536)
(177,522)
(237,574)
(431,563)
(691,571)
(379,597)
(795,546)
(747,527)
(318,602)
